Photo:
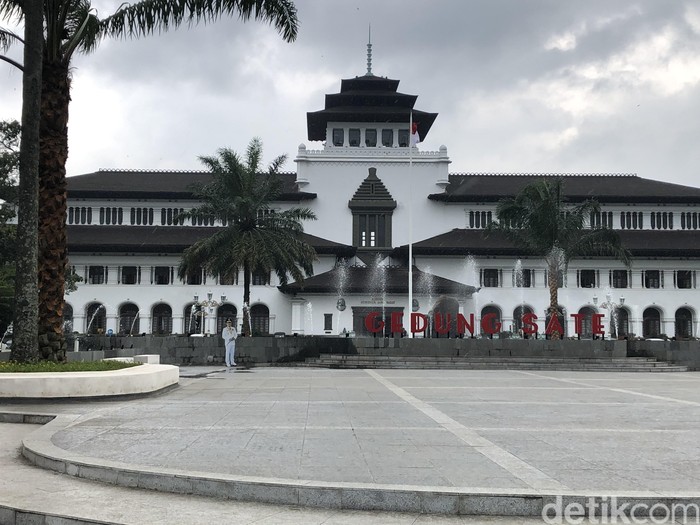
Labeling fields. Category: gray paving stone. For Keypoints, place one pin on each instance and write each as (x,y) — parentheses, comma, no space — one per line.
(589,431)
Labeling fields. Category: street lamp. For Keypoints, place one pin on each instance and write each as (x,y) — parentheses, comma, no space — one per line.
(612,306)
(209,304)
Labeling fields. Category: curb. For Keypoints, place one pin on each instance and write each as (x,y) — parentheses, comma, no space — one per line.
(39,450)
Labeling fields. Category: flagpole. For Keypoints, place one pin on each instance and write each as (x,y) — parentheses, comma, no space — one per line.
(410,222)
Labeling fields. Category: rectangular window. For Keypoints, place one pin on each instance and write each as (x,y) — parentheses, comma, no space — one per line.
(338,136)
(619,279)
(194,277)
(403,138)
(652,279)
(522,278)
(387,138)
(260,278)
(372,229)
(371,138)
(587,279)
(328,322)
(354,137)
(490,278)
(129,275)
(96,275)
(161,275)
(684,279)
(228,280)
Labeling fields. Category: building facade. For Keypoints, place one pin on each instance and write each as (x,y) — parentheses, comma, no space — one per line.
(375,193)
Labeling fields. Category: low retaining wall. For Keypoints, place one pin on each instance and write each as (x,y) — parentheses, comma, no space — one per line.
(198,351)
(686,353)
(182,350)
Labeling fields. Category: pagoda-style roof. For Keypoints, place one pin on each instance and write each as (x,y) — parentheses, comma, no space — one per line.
(368,99)
(372,194)
(628,188)
(165,239)
(641,243)
(373,280)
(146,184)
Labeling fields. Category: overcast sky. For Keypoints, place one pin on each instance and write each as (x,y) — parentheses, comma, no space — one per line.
(519,85)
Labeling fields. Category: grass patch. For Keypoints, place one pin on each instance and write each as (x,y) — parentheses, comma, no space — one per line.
(78,366)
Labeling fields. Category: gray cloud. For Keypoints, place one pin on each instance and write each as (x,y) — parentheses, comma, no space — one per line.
(519,85)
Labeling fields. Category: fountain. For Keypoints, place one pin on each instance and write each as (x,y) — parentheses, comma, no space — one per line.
(378,283)
(134,322)
(471,277)
(94,314)
(426,287)
(309,317)
(8,331)
(342,277)
(519,282)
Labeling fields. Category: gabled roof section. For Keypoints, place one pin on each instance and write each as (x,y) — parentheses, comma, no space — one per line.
(147,184)
(627,188)
(364,280)
(641,243)
(368,99)
(372,194)
(165,239)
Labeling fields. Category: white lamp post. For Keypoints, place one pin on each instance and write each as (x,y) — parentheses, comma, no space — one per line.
(209,304)
(612,307)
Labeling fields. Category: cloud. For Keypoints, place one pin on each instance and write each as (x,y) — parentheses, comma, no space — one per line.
(540,85)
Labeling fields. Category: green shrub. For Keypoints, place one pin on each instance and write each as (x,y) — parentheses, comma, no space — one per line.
(78,366)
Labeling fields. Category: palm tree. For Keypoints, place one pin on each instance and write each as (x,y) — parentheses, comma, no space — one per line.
(254,237)
(70,26)
(539,220)
(26,261)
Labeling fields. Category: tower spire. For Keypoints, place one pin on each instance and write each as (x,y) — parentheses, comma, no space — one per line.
(369,53)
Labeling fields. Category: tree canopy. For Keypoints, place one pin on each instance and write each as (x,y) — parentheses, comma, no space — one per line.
(254,236)
(541,221)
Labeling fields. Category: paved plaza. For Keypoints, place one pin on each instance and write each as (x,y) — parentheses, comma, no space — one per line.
(510,433)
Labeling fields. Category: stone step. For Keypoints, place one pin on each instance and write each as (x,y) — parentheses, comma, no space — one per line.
(632,364)
(383,357)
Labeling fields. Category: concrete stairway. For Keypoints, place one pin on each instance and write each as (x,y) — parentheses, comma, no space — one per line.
(627,364)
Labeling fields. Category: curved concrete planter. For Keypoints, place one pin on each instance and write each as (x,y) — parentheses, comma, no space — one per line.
(141,379)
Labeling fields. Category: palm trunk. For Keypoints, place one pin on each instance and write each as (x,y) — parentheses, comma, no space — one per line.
(246,300)
(52,208)
(553,283)
(25,345)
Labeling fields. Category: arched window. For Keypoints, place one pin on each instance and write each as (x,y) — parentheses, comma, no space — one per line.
(129,319)
(622,322)
(586,322)
(67,318)
(162,319)
(494,321)
(193,319)
(96,319)
(518,317)
(259,319)
(651,323)
(225,311)
(444,317)
(684,323)
(560,317)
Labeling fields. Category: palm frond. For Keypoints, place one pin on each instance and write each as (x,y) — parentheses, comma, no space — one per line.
(253,238)
(11,9)
(150,16)
(8,38)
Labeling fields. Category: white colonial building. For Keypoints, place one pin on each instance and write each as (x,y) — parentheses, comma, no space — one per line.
(374,194)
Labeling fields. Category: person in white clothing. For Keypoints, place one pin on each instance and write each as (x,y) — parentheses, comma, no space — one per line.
(229,335)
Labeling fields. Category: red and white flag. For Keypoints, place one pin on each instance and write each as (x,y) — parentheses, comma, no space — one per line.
(415,137)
